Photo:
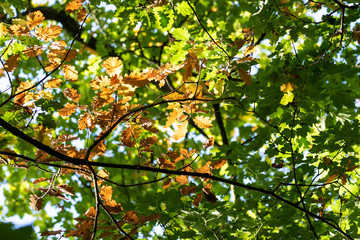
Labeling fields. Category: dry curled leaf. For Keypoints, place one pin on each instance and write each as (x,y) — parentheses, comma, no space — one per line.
(182,179)
(35,202)
(209,142)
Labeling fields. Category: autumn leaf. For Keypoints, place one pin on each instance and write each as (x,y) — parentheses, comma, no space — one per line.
(33,51)
(86,121)
(81,15)
(288,87)
(147,142)
(135,80)
(209,142)
(48,33)
(126,137)
(209,196)
(73,6)
(331,178)
(205,168)
(12,62)
(218,163)
(181,130)
(167,183)
(112,66)
(174,115)
(51,233)
(34,19)
(19,30)
(188,189)
(182,179)
(66,189)
(166,163)
(35,202)
(68,109)
(40,180)
(197,200)
(203,122)
(70,73)
(245,76)
(113,206)
(106,192)
(91,212)
(3,30)
(131,217)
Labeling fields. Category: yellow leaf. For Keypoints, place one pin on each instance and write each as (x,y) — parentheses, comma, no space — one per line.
(112,66)
(203,122)
(72,94)
(181,130)
(68,109)
(19,30)
(34,19)
(3,30)
(70,73)
(288,87)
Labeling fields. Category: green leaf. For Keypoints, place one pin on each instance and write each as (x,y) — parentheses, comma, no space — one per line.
(181,34)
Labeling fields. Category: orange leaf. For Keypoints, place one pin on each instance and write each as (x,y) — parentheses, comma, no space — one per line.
(343,179)
(86,121)
(197,200)
(40,180)
(182,179)
(126,137)
(70,73)
(181,130)
(112,66)
(103,173)
(209,142)
(73,6)
(68,109)
(19,30)
(35,202)
(33,51)
(106,193)
(331,178)
(147,142)
(34,19)
(205,168)
(11,62)
(91,212)
(218,164)
(72,94)
(113,207)
(48,33)
(81,15)
(135,80)
(203,122)
(131,217)
(288,87)
(165,163)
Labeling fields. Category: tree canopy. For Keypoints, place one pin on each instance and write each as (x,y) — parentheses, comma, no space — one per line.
(182,119)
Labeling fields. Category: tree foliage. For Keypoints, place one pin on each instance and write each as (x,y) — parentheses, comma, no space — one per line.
(179,119)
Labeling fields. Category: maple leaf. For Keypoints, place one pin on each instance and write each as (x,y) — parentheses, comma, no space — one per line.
(72,94)
(181,130)
(209,142)
(73,6)
(135,80)
(112,66)
(106,192)
(35,202)
(203,122)
(68,109)
(70,73)
(12,62)
(53,83)
(34,19)
(182,179)
(48,33)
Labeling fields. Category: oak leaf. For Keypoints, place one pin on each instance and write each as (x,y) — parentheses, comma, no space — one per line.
(106,192)
(72,94)
(19,30)
(182,179)
(112,65)
(12,62)
(203,122)
(34,19)
(68,109)
(218,163)
(288,87)
(66,189)
(174,115)
(131,217)
(73,6)
(135,80)
(86,121)
(81,15)
(33,51)
(181,130)
(126,137)
(245,76)
(166,163)
(48,33)
(35,202)
(70,73)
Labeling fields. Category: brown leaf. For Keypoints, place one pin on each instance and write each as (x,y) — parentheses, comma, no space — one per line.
(205,168)
(174,115)
(48,33)
(147,142)
(53,193)
(153,217)
(40,180)
(343,179)
(33,51)
(245,76)
(51,233)
(86,121)
(165,163)
(131,217)
(81,15)
(53,83)
(331,178)
(66,189)
(35,202)
(72,94)
(203,122)
(197,200)
(182,179)
(106,192)
(19,30)
(188,189)
(209,142)
(136,80)
(209,196)
(167,183)
(126,137)
(113,207)
(218,163)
